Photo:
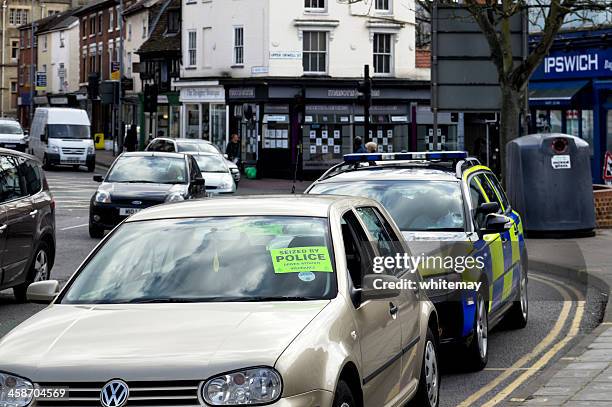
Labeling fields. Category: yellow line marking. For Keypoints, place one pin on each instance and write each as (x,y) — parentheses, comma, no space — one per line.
(573,331)
(552,335)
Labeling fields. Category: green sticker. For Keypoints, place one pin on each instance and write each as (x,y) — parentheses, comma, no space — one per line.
(301,259)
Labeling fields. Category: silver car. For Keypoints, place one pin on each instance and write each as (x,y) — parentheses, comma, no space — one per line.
(12,135)
(216,173)
(231,301)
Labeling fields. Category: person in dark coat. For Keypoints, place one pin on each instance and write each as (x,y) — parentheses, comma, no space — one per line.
(358,147)
(131,139)
(233,149)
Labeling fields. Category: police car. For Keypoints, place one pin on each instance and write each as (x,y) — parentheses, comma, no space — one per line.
(449,198)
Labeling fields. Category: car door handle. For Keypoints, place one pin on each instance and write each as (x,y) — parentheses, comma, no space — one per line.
(393,309)
(34,212)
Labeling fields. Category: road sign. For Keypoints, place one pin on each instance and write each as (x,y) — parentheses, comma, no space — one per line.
(41,81)
(607,173)
(115,71)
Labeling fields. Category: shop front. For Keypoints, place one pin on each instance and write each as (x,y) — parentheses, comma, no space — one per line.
(204,112)
(571,92)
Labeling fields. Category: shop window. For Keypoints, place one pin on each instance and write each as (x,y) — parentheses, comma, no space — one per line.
(218,125)
(315,52)
(382,53)
(572,122)
(192,127)
(556,123)
(587,128)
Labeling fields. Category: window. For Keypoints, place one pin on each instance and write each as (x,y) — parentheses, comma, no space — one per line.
(382,53)
(62,39)
(238,45)
(44,43)
(13,87)
(129,32)
(61,74)
(144,28)
(383,5)
(12,184)
(18,16)
(357,251)
(84,25)
(30,171)
(500,191)
(111,18)
(14,49)
(174,21)
(52,12)
(118,17)
(191,48)
(315,52)
(111,56)
(477,199)
(206,47)
(92,25)
(314,5)
(100,23)
(383,236)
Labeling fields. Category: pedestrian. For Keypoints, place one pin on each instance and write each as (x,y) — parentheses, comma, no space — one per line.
(372,147)
(131,140)
(233,149)
(358,147)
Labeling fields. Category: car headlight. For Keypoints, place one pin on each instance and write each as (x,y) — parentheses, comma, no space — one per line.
(260,385)
(102,197)
(15,391)
(54,149)
(225,185)
(90,150)
(175,197)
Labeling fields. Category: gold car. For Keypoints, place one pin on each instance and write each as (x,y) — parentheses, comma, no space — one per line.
(237,301)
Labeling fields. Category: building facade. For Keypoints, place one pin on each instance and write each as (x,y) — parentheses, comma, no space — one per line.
(285,78)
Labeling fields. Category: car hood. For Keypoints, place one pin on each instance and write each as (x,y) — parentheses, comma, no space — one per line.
(152,341)
(140,191)
(213,179)
(11,137)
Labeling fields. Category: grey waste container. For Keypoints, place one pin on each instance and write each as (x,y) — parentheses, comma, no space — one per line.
(548,179)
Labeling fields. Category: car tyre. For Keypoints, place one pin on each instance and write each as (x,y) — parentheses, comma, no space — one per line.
(478,346)
(518,315)
(91,167)
(344,396)
(95,232)
(46,164)
(428,392)
(40,270)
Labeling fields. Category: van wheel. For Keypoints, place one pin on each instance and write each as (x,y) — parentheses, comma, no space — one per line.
(478,346)
(46,164)
(40,270)
(518,315)
(95,232)
(344,396)
(428,393)
(91,167)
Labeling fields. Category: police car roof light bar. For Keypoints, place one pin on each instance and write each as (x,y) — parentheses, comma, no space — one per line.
(410,156)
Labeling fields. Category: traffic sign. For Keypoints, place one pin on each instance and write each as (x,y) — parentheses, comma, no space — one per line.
(41,81)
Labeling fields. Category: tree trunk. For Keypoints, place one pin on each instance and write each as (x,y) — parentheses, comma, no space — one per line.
(510,122)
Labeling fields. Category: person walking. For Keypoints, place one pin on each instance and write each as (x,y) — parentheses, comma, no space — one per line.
(131,139)
(358,147)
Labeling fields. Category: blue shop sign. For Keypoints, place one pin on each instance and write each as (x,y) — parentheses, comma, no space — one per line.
(586,63)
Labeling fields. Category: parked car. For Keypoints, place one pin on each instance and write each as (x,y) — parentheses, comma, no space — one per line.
(234,301)
(217,175)
(27,223)
(12,135)
(62,136)
(139,180)
(448,197)
(191,146)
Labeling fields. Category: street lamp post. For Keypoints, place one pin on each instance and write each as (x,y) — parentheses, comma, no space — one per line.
(3,57)
(32,68)
(120,104)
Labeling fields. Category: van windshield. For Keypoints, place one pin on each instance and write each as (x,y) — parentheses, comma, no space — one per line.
(71,131)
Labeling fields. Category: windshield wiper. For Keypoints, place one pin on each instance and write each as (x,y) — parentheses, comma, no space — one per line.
(162,300)
(271,298)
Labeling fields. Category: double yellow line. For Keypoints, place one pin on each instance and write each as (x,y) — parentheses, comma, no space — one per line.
(541,347)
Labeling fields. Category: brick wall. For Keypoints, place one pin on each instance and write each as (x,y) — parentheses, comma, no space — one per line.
(603,206)
(423,58)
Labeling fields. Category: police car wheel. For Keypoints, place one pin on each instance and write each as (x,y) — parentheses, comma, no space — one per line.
(478,346)
(519,313)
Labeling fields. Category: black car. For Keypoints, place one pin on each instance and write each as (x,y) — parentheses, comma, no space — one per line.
(27,223)
(137,181)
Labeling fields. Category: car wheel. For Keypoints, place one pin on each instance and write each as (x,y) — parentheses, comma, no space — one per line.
(95,232)
(344,396)
(428,393)
(478,347)
(46,164)
(519,313)
(39,271)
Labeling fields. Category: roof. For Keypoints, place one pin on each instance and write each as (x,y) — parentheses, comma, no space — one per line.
(160,40)
(95,5)
(263,205)
(139,5)
(59,21)
(394,172)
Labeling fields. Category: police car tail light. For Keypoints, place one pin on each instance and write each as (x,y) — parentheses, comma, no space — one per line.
(438,155)
(560,145)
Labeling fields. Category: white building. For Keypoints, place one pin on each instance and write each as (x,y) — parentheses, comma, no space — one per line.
(250,66)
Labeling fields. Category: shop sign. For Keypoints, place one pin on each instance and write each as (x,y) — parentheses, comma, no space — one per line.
(257,70)
(576,64)
(162,99)
(285,54)
(396,119)
(58,101)
(40,100)
(203,94)
(236,93)
(41,81)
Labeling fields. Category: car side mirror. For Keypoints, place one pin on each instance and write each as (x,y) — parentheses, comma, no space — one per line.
(380,287)
(495,223)
(43,138)
(487,208)
(98,178)
(42,292)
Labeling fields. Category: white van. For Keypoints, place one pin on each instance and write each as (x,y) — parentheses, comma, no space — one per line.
(62,136)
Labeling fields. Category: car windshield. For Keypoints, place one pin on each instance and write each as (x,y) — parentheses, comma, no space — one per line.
(414,205)
(71,131)
(10,128)
(149,170)
(215,259)
(211,163)
(197,147)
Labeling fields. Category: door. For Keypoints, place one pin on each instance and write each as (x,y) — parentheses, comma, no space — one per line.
(20,220)
(388,244)
(378,327)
